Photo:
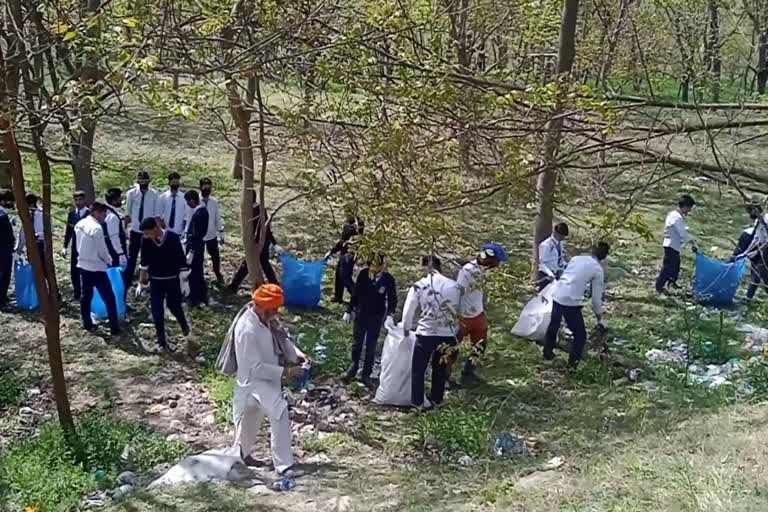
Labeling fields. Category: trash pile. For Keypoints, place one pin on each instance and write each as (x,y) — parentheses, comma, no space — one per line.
(509,444)
(324,409)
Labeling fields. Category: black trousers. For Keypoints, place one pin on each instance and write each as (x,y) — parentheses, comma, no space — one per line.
(266,267)
(670,269)
(6,267)
(134,250)
(758,277)
(365,333)
(100,281)
(212,248)
(542,280)
(575,322)
(74,274)
(428,348)
(343,279)
(162,293)
(198,288)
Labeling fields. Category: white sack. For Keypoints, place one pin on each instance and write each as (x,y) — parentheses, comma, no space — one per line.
(395,377)
(535,316)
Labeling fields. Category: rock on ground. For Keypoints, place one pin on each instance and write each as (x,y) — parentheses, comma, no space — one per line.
(538,480)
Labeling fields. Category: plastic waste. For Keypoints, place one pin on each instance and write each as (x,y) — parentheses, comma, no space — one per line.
(395,376)
(715,282)
(98,308)
(286,484)
(535,316)
(302,281)
(26,293)
(508,444)
(303,381)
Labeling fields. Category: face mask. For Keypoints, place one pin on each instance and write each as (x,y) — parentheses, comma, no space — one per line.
(174,187)
(206,192)
(143,186)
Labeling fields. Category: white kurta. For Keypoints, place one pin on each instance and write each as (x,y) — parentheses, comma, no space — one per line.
(258,391)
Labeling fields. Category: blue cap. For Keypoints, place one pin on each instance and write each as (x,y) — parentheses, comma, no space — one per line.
(495,250)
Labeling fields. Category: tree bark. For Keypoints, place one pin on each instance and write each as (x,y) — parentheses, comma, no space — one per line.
(613,41)
(546,180)
(83,163)
(713,49)
(762,62)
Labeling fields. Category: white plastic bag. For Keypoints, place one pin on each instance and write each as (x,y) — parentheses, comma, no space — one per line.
(535,316)
(395,377)
(184,281)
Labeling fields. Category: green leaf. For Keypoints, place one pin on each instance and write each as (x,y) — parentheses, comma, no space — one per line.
(70,35)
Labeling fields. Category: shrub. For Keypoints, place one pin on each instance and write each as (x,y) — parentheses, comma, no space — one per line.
(10,388)
(756,375)
(454,429)
(221,389)
(43,471)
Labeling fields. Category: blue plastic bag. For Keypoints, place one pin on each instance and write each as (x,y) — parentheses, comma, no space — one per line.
(302,281)
(716,282)
(26,292)
(98,308)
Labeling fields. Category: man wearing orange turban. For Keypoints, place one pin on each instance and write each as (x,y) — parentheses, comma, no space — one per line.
(264,355)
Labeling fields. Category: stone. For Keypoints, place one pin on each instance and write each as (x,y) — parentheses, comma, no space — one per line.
(466,460)
(209,419)
(172,438)
(27,411)
(339,504)
(127,478)
(123,491)
(177,425)
(173,404)
(318,459)
(156,409)
(553,463)
(200,359)
(540,480)
(33,392)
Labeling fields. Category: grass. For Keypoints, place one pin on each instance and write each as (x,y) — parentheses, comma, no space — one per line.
(44,472)
(11,389)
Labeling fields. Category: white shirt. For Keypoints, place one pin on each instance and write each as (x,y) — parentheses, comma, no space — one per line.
(165,203)
(437,299)
(215,224)
(675,231)
(578,275)
(133,206)
(551,256)
(761,230)
(92,252)
(37,223)
(113,222)
(471,291)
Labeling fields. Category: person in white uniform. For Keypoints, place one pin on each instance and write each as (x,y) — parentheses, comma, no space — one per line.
(552,257)
(581,273)
(675,237)
(215,235)
(142,202)
(264,355)
(172,206)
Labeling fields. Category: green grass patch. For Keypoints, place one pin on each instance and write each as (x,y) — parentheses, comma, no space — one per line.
(221,389)
(11,389)
(454,429)
(44,472)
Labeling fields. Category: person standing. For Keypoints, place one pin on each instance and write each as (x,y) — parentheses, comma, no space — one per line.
(142,202)
(264,355)
(472,308)
(753,243)
(581,273)
(552,257)
(93,259)
(172,207)
(374,295)
(269,242)
(196,230)
(675,237)
(36,213)
(114,229)
(76,214)
(345,267)
(435,299)
(162,257)
(7,243)
(215,234)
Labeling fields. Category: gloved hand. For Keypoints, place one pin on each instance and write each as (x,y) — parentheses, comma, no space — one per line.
(602,324)
(390,320)
(695,248)
(140,290)
(327,256)
(190,257)
(278,250)
(221,238)
(347,318)
(65,252)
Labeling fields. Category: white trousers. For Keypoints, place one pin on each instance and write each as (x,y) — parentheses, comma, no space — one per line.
(248,422)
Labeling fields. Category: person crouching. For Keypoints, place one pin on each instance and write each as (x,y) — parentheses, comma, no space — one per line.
(264,355)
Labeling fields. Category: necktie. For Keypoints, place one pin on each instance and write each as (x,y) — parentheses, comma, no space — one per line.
(141,208)
(559,254)
(173,211)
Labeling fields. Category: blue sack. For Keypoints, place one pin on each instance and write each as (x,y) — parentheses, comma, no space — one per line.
(302,281)
(98,308)
(716,282)
(26,292)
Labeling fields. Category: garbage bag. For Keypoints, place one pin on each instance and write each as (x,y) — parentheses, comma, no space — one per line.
(302,281)
(715,282)
(395,377)
(26,292)
(535,316)
(98,308)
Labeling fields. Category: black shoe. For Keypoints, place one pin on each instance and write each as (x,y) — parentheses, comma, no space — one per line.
(369,383)
(549,356)
(468,378)
(349,376)
(115,332)
(89,328)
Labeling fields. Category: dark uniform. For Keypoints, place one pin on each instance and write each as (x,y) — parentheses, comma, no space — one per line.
(196,230)
(69,237)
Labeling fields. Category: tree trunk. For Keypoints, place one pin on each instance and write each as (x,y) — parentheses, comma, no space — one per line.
(713,49)
(83,164)
(545,184)
(685,87)
(237,164)
(762,62)
(613,41)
